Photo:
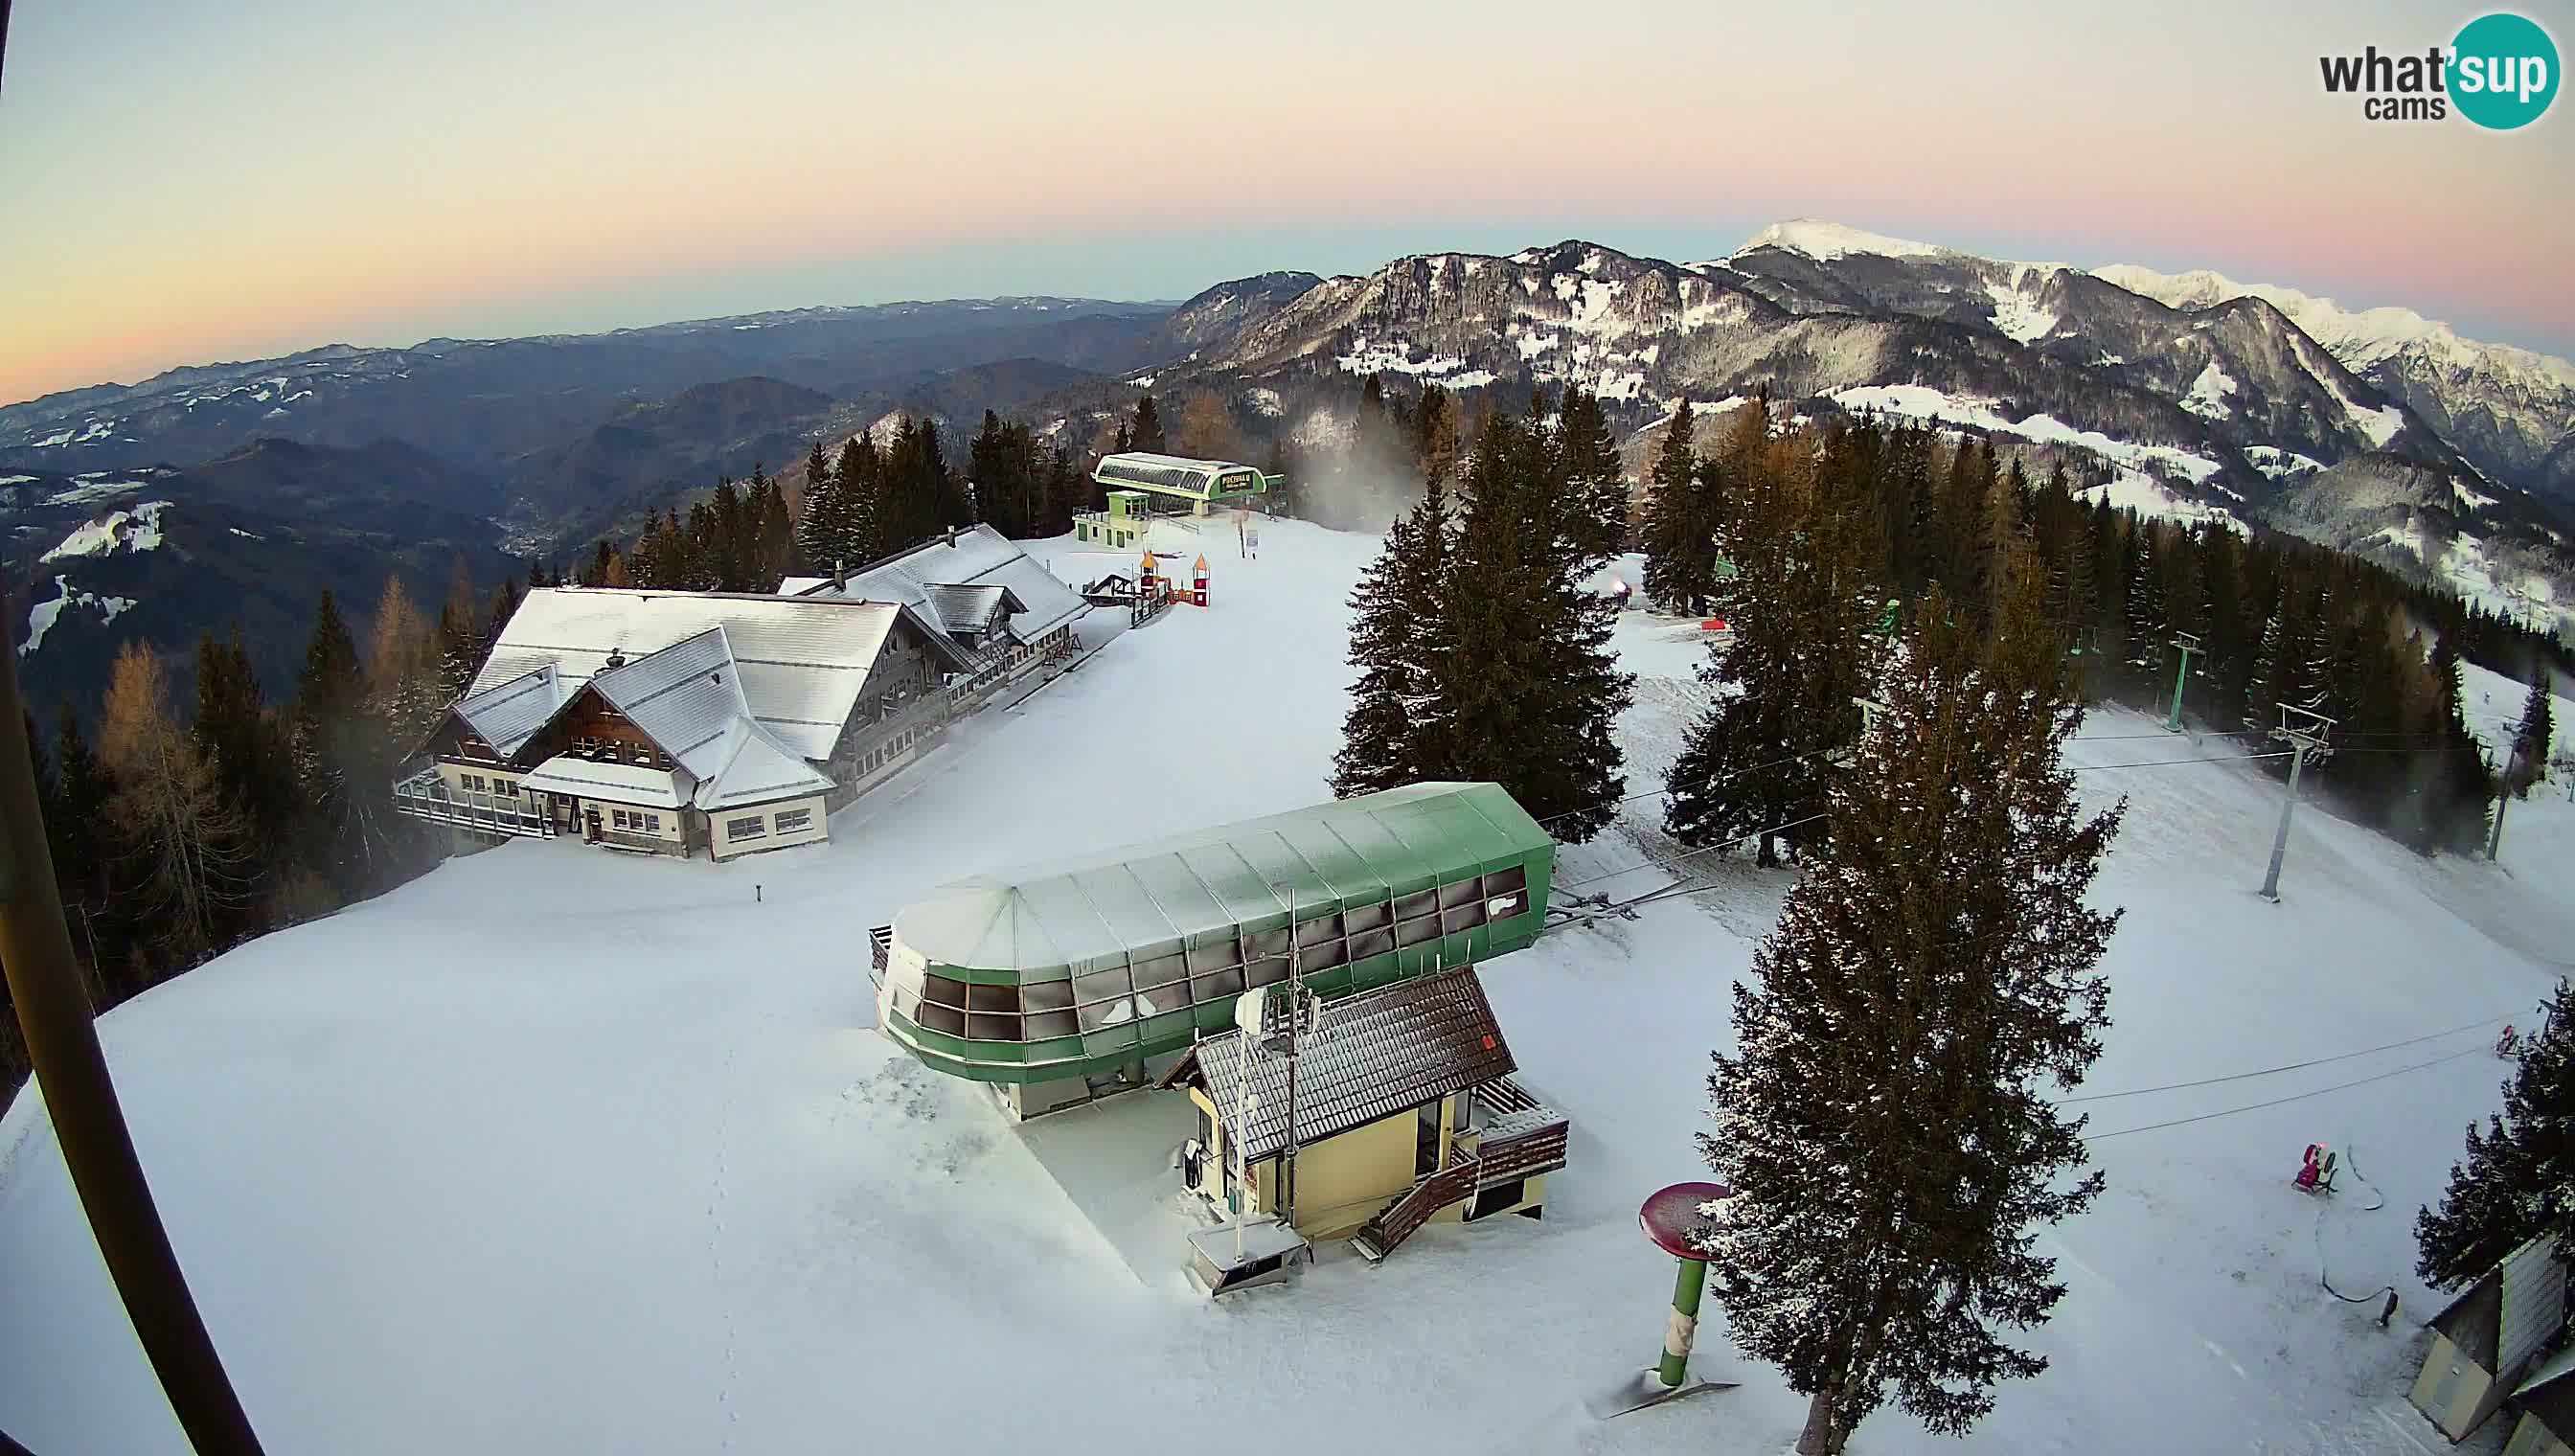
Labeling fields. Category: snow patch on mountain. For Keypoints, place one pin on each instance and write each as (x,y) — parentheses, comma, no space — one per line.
(1824,241)
(2380,425)
(2144,495)
(43,615)
(1396,358)
(91,490)
(137,529)
(2207,397)
(2472,499)
(1264,401)
(2017,316)
(2280,464)
(1921,402)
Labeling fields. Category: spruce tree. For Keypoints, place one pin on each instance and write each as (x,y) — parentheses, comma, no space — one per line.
(1888,1126)
(2518,1180)
(1394,610)
(246,751)
(2530,739)
(2148,630)
(1596,485)
(1522,680)
(1784,681)
(1147,435)
(1680,549)
(75,832)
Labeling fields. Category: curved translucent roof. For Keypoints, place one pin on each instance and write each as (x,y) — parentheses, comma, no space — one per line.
(1051,921)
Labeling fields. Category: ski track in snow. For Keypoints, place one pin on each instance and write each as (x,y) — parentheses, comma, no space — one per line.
(556,1150)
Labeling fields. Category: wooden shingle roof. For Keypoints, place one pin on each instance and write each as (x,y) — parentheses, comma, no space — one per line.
(1380,1052)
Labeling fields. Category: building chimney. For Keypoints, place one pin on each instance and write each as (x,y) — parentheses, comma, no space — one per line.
(616,658)
(840,575)
(954,532)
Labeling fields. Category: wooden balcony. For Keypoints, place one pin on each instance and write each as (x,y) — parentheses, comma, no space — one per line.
(1524,1140)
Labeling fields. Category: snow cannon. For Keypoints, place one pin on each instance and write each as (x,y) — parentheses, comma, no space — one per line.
(2315,1171)
(1198,585)
(1676,1220)
(2509,1043)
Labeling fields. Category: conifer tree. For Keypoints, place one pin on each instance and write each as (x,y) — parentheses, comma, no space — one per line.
(504,604)
(185,844)
(2147,628)
(1394,608)
(1596,485)
(75,832)
(1681,547)
(352,840)
(1888,1126)
(2530,739)
(1146,436)
(1786,681)
(246,751)
(1522,674)
(2518,1180)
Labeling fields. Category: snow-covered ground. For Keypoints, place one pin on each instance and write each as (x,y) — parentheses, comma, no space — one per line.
(558,1151)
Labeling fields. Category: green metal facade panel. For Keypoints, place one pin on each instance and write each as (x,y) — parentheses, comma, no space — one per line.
(1095,1053)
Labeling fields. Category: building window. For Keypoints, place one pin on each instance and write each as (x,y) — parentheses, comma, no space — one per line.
(506,787)
(794,820)
(617,817)
(472,782)
(649,824)
(749,826)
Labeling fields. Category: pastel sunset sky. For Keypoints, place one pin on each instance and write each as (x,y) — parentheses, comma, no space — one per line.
(192,182)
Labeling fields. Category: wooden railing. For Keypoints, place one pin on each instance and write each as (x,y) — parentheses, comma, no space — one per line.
(1522,1144)
(425,796)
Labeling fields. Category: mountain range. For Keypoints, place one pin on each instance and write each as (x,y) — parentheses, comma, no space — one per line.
(2187,394)
(2190,397)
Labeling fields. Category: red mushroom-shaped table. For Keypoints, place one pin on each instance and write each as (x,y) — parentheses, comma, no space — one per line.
(1674,1221)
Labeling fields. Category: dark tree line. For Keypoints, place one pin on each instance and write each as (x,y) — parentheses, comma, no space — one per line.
(181,830)
(1802,537)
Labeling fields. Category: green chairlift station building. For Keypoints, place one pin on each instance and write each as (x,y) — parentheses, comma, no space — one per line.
(1058,982)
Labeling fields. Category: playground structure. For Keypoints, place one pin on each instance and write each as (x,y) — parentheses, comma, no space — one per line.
(1059,983)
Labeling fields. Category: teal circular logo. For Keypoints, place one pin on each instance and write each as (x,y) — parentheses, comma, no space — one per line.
(2503,71)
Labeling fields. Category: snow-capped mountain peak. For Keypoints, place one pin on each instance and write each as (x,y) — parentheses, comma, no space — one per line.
(2360,338)
(1824,241)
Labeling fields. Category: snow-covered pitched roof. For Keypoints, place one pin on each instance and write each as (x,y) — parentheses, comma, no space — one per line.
(1378,1053)
(801,662)
(977,555)
(753,766)
(615,782)
(505,713)
(969,610)
(684,696)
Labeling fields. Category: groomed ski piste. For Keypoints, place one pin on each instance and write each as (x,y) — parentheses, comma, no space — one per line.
(557,1149)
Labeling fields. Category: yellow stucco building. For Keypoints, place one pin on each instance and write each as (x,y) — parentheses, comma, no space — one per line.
(1405,1114)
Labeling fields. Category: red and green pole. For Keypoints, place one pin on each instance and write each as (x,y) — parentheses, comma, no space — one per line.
(1683,1329)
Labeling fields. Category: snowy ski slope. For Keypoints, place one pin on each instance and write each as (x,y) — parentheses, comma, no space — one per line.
(558,1151)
